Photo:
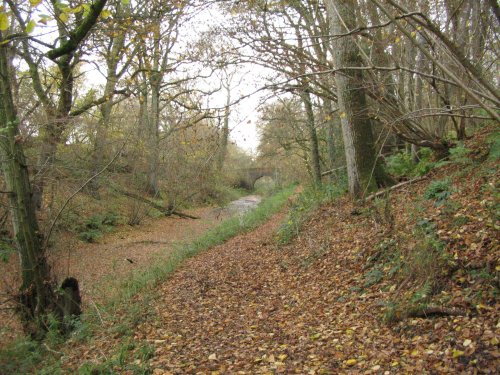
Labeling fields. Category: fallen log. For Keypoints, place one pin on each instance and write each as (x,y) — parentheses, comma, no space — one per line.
(394,187)
(167,211)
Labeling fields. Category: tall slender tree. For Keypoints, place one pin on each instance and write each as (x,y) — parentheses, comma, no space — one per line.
(362,167)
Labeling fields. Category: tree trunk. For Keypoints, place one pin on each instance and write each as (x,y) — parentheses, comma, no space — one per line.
(225,133)
(419,94)
(57,121)
(153,141)
(36,294)
(313,138)
(101,136)
(330,136)
(356,127)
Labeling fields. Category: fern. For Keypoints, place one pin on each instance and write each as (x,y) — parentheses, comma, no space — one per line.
(439,190)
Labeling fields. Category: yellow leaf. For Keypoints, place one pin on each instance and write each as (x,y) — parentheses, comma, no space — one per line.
(351,362)
(481,306)
(64,17)
(4,21)
(34,3)
(105,13)
(467,342)
(343,115)
(413,34)
(282,357)
(30,26)
(414,353)
(457,353)
(398,39)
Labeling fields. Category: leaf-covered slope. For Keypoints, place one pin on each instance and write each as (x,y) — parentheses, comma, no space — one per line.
(408,285)
(318,306)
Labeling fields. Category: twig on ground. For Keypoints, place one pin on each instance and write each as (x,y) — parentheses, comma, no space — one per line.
(437,311)
(52,350)
(97,309)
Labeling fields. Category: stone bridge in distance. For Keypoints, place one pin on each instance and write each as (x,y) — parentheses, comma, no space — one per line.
(249,176)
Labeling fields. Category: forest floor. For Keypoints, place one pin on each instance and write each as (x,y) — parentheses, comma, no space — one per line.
(102,267)
(407,285)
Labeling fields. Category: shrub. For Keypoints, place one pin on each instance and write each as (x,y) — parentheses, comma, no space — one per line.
(401,164)
(439,190)
(95,226)
(460,154)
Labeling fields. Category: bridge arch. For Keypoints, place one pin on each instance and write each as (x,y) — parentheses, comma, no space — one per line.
(251,175)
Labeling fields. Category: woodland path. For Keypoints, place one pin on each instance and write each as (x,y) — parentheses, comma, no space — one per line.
(251,306)
(96,265)
(102,267)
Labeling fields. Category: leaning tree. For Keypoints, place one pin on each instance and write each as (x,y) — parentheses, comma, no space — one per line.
(38,298)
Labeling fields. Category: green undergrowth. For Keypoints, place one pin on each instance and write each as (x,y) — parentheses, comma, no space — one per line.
(424,266)
(24,356)
(97,225)
(411,264)
(416,265)
(304,206)
(402,164)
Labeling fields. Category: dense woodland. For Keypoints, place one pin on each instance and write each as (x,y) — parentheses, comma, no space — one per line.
(110,109)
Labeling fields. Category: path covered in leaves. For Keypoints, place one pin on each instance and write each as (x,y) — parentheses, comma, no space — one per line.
(251,307)
(317,306)
(101,268)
